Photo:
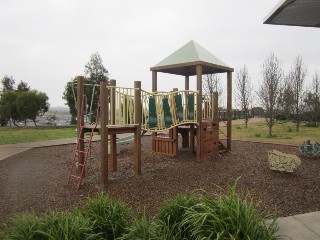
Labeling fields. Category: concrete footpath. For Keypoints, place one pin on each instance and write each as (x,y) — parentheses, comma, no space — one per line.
(299,227)
(9,150)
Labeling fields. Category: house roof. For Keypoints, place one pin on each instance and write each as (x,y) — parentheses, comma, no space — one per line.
(305,13)
(185,59)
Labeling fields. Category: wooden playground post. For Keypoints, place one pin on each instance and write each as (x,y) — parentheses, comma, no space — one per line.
(229,108)
(113,137)
(191,134)
(154,89)
(199,110)
(104,105)
(186,82)
(137,132)
(80,119)
(215,107)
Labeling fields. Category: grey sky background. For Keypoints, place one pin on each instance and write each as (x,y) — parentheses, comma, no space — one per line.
(47,42)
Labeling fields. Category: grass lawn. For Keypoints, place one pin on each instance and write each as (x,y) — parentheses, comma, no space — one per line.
(283,132)
(11,135)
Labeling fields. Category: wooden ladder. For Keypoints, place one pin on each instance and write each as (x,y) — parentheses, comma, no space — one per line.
(77,170)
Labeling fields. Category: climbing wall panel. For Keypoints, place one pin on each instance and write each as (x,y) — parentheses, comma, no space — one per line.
(209,140)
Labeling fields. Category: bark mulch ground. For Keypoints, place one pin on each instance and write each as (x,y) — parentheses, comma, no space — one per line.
(35,180)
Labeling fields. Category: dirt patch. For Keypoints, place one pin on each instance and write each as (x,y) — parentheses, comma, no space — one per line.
(36,179)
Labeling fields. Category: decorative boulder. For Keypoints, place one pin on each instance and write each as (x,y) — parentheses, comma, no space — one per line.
(283,162)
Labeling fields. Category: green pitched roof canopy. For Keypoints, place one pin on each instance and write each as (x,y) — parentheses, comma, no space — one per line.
(305,13)
(184,61)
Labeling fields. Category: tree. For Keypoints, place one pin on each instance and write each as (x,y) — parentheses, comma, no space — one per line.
(212,83)
(30,104)
(286,100)
(244,92)
(269,90)
(7,83)
(95,72)
(23,87)
(297,76)
(8,107)
(312,101)
(94,69)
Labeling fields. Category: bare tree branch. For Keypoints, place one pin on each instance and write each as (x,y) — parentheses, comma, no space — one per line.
(269,90)
(244,92)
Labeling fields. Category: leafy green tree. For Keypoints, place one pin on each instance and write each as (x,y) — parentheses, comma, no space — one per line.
(94,69)
(30,104)
(8,83)
(8,107)
(94,73)
(23,87)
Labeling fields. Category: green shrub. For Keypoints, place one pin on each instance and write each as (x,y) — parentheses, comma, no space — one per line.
(272,136)
(187,216)
(227,217)
(23,226)
(109,217)
(171,214)
(141,228)
(67,225)
(258,134)
(289,129)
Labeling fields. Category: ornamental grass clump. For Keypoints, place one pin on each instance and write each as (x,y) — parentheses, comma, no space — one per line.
(24,226)
(141,228)
(172,213)
(109,217)
(227,217)
(190,216)
(67,225)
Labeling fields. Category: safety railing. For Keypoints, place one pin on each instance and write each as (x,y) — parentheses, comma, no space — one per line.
(160,111)
(121,106)
(164,110)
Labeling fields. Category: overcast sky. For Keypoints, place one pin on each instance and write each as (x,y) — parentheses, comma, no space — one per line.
(47,42)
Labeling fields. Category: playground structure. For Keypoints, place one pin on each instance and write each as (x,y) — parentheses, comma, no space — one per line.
(132,110)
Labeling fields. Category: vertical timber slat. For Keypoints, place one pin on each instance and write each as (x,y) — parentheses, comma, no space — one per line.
(80,119)
(137,133)
(229,107)
(113,137)
(199,110)
(154,89)
(104,134)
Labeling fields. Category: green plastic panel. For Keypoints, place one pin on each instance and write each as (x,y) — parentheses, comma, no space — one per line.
(152,113)
(178,100)
(166,112)
(191,106)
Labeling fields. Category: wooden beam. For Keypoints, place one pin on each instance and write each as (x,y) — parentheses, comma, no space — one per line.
(80,119)
(137,134)
(154,89)
(229,109)
(186,83)
(104,105)
(199,110)
(154,81)
(215,107)
(113,137)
